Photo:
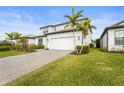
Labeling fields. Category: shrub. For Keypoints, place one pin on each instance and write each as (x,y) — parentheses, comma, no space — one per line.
(39,47)
(4,48)
(97,43)
(91,45)
(5,43)
(30,48)
(46,48)
(17,47)
(86,49)
(103,49)
(78,47)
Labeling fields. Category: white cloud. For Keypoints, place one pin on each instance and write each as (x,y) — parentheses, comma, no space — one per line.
(21,22)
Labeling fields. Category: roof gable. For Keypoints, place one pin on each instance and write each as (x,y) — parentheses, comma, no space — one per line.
(114,26)
(119,23)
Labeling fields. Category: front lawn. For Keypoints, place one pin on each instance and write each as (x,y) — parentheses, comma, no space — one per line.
(11,53)
(95,68)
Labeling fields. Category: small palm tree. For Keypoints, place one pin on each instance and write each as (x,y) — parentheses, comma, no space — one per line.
(73,19)
(10,37)
(17,36)
(85,27)
(23,42)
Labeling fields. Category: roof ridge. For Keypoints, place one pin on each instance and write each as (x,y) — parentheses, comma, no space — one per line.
(118,23)
(60,23)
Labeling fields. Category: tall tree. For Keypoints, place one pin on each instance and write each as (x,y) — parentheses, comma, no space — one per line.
(86,28)
(73,19)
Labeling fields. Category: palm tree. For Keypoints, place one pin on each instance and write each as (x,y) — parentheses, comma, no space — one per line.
(85,27)
(73,19)
(23,42)
(17,36)
(10,37)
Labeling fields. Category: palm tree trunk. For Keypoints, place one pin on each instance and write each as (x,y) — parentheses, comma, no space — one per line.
(75,42)
(12,44)
(82,44)
(81,50)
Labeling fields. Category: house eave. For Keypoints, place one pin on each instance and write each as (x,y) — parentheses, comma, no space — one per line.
(111,27)
(61,31)
(59,24)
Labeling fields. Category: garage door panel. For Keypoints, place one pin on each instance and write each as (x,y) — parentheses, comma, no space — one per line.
(65,43)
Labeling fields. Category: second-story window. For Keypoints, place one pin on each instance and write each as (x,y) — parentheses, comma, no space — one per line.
(45,31)
(54,28)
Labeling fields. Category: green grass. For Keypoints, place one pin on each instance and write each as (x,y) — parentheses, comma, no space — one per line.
(11,53)
(95,68)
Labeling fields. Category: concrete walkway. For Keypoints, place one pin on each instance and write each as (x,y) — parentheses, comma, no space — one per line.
(16,66)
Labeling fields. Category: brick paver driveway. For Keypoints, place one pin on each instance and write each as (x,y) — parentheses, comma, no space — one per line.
(16,66)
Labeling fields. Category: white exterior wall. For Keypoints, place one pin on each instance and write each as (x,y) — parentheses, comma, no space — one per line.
(101,43)
(68,40)
(64,36)
(104,41)
(45,41)
(87,40)
(36,41)
(50,29)
(63,40)
(31,41)
(111,40)
(61,27)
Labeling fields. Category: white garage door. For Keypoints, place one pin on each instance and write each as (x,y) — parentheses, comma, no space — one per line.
(65,43)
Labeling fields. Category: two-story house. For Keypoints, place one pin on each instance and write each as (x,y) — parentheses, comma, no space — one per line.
(59,37)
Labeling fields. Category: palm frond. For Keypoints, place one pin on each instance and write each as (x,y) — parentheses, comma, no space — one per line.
(93,27)
(66,26)
(68,16)
(72,8)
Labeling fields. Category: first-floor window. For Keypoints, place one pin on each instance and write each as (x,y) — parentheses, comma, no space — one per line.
(119,38)
(78,37)
(40,41)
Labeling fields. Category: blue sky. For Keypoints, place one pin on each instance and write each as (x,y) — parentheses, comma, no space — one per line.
(28,20)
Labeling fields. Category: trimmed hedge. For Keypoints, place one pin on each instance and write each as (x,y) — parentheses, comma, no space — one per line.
(78,47)
(17,47)
(39,47)
(86,49)
(30,48)
(4,43)
(4,48)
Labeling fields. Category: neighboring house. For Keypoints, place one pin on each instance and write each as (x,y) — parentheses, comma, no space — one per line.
(32,39)
(112,39)
(59,37)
